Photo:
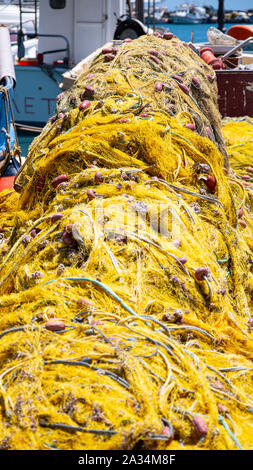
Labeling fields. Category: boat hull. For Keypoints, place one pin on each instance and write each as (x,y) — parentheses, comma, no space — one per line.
(235,93)
(35,93)
(185,20)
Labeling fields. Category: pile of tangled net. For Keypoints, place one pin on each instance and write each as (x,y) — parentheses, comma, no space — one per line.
(126,272)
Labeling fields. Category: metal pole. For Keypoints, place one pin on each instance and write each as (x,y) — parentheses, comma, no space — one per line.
(129,8)
(221,16)
(154,15)
(148,18)
(36,17)
(20,14)
(20,37)
(139,8)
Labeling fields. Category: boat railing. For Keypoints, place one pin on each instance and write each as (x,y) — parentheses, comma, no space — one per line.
(35,34)
(52,51)
(21,48)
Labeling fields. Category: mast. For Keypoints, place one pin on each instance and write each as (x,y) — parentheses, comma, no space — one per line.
(139,8)
(221,16)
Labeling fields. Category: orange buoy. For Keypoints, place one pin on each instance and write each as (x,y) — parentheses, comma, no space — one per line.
(6,182)
(207,54)
(241,31)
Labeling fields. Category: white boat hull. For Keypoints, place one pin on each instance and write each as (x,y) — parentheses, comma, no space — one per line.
(185,20)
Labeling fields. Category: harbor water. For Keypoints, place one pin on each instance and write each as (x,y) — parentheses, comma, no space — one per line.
(183,31)
(24,140)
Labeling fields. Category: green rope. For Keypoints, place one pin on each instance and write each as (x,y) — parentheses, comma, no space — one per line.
(225,425)
(99,284)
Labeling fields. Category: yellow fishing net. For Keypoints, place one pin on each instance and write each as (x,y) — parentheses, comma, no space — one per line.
(126,266)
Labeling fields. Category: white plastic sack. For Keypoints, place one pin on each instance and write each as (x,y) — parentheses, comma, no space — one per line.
(215,36)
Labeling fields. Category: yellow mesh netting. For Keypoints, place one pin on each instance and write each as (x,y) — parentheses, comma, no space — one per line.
(126,290)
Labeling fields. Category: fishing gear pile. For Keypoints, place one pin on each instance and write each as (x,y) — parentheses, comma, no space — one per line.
(126,266)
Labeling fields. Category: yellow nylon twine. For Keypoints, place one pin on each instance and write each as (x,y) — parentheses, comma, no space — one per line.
(126,283)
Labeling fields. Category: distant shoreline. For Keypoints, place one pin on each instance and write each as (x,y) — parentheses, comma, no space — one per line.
(206,22)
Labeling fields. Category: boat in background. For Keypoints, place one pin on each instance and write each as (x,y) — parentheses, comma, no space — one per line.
(188,14)
(237,17)
(241,17)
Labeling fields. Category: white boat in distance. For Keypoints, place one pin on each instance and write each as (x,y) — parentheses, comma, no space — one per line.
(188,14)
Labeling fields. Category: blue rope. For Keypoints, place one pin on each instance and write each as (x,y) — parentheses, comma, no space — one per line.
(223,422)
(97,283)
